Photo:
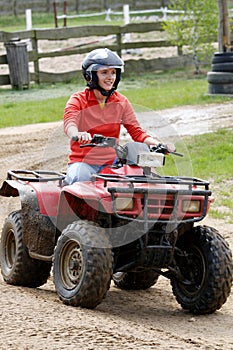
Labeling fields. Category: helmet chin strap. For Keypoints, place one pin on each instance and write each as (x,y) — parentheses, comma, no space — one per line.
(105,92)
(93,84)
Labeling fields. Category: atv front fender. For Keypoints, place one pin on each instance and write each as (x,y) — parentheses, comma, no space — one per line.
(81,200)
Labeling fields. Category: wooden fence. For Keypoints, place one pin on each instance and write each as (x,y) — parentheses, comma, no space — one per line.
(118,44)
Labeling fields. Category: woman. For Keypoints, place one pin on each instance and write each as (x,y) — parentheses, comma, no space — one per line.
(99,109)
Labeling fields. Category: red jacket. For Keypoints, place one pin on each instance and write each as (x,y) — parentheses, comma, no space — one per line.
(84,111)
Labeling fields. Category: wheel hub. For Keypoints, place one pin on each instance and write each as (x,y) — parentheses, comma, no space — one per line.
(71,264)
(11,249)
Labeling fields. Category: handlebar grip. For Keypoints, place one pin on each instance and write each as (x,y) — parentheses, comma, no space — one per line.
(160,148)
(177,154)
(87,145)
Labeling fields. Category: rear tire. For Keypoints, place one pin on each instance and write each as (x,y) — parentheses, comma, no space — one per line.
(82,265)
(135,280)
(17,267)
(207,271)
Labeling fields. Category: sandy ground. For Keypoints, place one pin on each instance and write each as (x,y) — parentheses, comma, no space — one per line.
(37,319)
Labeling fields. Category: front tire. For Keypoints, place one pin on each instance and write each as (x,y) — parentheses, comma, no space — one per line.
(17,267)
(82,265)
(207,271)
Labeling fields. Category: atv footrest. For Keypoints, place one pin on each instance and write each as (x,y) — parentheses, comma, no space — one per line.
(159,256)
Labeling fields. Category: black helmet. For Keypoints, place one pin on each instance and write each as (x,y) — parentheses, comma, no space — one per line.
(101,58)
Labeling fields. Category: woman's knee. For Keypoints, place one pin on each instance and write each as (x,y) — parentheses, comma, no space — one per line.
(78,172)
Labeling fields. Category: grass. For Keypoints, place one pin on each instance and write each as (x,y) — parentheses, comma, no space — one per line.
(160,95)
(162,90)
(34,112)
(46,20)
(209,157)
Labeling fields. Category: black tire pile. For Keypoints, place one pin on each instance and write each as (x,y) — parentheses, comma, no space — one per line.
(220,80)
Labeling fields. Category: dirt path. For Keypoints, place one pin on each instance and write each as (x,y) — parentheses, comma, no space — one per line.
(35,319)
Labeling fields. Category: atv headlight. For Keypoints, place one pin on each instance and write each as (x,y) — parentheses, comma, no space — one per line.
(123,203)
(148,159)
(191,206)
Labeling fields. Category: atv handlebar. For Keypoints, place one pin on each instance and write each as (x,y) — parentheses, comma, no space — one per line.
(102,141)
(160,148)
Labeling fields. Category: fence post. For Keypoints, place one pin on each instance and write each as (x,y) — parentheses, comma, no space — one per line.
(15,9)
(28,14)
(17,59)
(55,13)
(64,14)
(35,59)
(126,21)
(118,39)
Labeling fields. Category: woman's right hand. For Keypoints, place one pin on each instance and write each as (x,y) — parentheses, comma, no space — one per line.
(83,137)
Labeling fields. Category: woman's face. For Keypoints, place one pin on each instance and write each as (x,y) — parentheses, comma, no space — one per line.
(106,78)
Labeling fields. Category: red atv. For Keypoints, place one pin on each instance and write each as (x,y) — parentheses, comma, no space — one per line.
(128,224)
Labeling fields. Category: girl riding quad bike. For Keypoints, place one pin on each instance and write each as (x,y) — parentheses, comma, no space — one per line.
(99,109)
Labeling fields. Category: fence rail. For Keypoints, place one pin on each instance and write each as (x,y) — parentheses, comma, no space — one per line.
(17,7)
(161,13)
(118,45)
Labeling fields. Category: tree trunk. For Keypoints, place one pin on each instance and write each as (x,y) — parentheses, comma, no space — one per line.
(224,42)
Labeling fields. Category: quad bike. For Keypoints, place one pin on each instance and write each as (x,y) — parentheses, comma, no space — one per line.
(128,224)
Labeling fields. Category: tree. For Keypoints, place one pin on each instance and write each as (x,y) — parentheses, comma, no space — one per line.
(194,26)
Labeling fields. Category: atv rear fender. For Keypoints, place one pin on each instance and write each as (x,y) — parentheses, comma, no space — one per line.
(38,230)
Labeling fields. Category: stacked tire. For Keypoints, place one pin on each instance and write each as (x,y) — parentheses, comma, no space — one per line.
(220,80)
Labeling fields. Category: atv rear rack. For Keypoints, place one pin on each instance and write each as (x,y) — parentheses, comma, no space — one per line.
(35,175)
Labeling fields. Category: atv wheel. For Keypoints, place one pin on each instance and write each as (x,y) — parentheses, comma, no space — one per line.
(135,280)
(206,270)
(82,265)
(18,268)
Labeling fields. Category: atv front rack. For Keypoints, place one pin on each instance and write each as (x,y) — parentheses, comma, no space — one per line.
(35,175)
(155,179)
(166,209)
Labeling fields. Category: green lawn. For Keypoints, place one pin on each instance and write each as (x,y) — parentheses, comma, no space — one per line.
(210,157)
(156,92)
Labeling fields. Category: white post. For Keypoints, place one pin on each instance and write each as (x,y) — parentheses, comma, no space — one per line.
(108,13)
(164,10)
(28,14)
(126,21)
(28,19)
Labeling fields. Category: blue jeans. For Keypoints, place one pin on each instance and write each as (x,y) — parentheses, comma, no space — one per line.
(81,172)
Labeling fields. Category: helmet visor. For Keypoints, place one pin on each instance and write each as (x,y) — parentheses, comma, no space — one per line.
(95,67)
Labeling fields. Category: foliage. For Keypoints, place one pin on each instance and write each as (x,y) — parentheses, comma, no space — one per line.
(195,26)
